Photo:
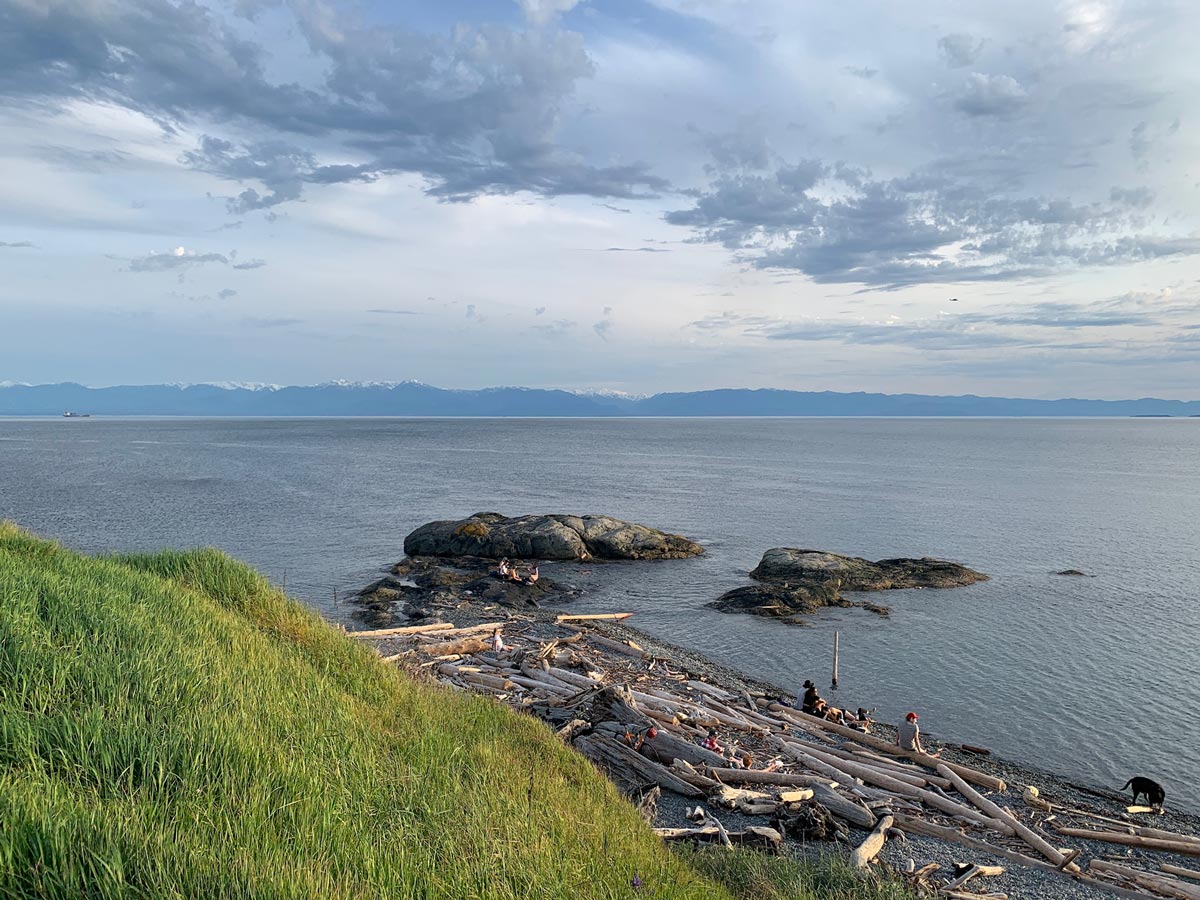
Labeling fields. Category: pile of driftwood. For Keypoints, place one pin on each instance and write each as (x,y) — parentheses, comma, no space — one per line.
(642,721)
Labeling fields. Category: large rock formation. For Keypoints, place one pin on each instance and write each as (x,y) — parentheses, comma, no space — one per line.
(493,536)
(792,582)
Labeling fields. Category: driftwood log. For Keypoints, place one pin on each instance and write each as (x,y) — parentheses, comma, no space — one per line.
(870,847)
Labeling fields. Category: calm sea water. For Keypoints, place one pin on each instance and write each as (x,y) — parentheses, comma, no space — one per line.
(1097,678)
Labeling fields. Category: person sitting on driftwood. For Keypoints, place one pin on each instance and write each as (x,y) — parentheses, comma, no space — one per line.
(637,737)
(711,742)
(810,698)
(498,642)
(908,734)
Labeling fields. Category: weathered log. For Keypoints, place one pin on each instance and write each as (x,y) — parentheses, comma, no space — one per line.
(465,647)
(1145,831)
(850,810)
(1184,848)
(930,762)
(862,768)
(755,776)
(617,646)
(814,758)
(920,826)
(705,688)
(870,847)
(536,684)
(406,629)
(492,681)
(688,773)
(1023,831)
(1180,871)
(1150,880)
(795,796)
(612,753)
(574,678)
(973,871)
(593,617)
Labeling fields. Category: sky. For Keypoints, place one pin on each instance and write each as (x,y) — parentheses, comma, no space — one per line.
(626,195)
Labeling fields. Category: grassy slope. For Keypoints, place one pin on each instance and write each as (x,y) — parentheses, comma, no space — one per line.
(173,726)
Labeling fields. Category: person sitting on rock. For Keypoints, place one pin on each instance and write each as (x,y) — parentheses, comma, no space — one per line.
(514,574)
(532,576)
(502,569)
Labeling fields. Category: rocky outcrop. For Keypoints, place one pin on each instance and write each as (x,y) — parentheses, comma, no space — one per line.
(551,537)
(416,588)
(1074,573)
(793,583)
(855,574)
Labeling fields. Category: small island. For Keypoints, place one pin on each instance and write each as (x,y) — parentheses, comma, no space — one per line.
(453,561)
(792,583)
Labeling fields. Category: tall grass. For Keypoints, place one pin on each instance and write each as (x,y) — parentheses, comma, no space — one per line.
(173,726)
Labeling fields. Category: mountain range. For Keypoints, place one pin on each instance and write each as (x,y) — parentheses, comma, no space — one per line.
(411,398)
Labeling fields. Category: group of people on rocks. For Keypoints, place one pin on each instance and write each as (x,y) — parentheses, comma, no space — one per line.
(508,571)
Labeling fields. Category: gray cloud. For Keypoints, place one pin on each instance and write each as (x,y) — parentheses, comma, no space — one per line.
(473,112)
(557,328)
(991,95)
(395,312)
(539,311)
(175,260)
(250,264)
(226,293)
(635,250)
(864,72)
(270,321)
(960,50)
(955,220)
(15,244)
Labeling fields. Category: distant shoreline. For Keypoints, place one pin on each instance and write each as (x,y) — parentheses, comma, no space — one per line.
(413,399)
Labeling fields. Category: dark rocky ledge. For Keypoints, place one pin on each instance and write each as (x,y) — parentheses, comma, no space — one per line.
(421,588)
(793,583)
(549,537)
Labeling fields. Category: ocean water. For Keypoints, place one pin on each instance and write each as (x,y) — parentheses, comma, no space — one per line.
(1096,678)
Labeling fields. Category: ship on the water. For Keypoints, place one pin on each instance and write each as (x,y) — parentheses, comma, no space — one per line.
(75,415)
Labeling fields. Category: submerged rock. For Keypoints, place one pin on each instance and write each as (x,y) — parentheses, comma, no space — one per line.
(793,583)
(553,537)
(1074,573)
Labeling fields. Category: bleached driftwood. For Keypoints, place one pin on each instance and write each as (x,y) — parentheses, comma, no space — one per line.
(1023,831)
(870,847)
(1184,848)
(1153,881)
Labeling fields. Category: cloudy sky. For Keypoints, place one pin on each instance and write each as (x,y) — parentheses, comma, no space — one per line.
(636,195)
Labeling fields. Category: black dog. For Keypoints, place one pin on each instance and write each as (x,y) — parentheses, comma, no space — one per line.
(1155,795)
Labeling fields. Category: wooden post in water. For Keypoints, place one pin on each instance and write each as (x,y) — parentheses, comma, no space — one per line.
(835,659)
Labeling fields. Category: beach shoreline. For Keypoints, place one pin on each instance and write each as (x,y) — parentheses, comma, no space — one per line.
(915,850)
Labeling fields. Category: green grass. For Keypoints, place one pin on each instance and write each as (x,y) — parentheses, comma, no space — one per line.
(171,725)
